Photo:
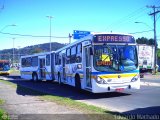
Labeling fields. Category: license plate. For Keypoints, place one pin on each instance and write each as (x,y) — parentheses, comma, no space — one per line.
(119,89)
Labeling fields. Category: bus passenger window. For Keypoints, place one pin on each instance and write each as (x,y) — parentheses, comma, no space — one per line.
(68,54)
(73,54)
(47,60)
(23,62)
(35,61)
(79,53)
(57,59)
(73,50)
(79,48)
(28,61)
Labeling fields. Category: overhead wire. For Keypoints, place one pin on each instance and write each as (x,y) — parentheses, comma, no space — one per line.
(128,17)
(130,20)
(25,35)
(141,32)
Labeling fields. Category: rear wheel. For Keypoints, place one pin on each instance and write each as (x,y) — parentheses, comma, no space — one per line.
(77,82)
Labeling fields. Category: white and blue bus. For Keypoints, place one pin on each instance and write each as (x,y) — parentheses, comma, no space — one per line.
(38,66)
(99,62)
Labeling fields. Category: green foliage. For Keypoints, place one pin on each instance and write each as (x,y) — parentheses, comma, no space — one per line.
(144,40)
(158,53)
(7,53)
(37,50)
(3,114)
(1,101)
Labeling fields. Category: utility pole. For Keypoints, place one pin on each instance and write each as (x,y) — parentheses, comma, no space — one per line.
(13,53)
(70,36)
(155,38)
(50,32)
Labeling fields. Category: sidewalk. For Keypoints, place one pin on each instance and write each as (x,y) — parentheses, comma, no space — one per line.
(151,80)
(18,105)
(150,76)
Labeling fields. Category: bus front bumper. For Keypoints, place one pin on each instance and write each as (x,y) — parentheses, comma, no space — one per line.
(101,88)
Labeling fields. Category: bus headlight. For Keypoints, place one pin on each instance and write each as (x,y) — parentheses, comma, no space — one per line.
(100,80)
(135,78)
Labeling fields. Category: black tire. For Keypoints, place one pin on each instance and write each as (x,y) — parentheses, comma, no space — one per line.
(141,76)
(77,82)
(34,77)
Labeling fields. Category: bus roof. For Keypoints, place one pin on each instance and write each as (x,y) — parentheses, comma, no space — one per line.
(37,54)
(110,33)
(88,37)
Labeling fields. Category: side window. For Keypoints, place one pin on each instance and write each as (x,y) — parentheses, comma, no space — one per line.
(57,59)
(23,62)
(28,62)
(73,54)
(34,61)
(47,60)
(79,53)
(68,54)
(79,48)
(73,50)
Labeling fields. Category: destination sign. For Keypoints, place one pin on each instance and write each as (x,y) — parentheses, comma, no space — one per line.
(113,38)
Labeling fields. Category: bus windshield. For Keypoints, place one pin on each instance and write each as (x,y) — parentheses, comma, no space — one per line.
(4,66)
(113,58)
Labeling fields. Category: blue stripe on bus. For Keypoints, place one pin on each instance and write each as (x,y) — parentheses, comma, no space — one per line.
(97,73)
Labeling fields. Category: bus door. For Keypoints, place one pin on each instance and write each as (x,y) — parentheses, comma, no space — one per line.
(63,67)
(42,68)
(87,66)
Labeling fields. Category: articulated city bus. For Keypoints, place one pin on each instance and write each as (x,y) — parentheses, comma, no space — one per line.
(99,62)
(37,67)
(4,67)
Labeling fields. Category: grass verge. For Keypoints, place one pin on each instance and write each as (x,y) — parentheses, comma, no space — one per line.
(91,111)
(3,114)
(9,83)
(13,71)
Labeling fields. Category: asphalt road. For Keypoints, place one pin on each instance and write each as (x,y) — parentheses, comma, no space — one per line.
(142,102)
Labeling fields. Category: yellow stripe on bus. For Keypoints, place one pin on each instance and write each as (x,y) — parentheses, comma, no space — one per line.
(114,76)
(118,76)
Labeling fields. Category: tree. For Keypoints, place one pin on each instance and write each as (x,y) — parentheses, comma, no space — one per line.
(151,41)
(142,40)
(158,53)
(37,50)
